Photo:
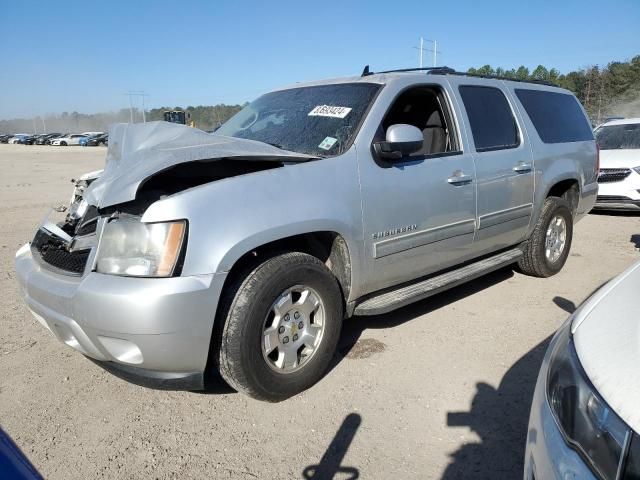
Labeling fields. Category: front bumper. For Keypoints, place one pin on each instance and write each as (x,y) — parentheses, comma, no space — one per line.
(621,195)
(547,454)
(152,331)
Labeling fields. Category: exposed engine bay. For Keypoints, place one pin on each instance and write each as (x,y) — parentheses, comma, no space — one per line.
(145,163)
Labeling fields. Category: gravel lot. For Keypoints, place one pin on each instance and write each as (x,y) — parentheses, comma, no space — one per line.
(438,389)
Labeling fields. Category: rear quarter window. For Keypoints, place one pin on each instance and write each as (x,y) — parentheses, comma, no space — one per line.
(557,117)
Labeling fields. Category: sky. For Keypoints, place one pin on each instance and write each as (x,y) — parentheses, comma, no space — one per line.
(84,56)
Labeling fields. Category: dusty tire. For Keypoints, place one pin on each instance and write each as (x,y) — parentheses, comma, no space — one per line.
(248,312)
(63,144)
(537,260)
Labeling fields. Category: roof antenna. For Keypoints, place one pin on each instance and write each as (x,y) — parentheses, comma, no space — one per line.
(366,71)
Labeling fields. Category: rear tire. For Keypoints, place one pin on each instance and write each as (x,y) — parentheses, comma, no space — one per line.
(546,251)
(259,347)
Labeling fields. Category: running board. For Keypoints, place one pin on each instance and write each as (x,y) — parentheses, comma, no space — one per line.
(390,300)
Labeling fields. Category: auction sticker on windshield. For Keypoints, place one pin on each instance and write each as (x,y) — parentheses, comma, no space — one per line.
(329,111)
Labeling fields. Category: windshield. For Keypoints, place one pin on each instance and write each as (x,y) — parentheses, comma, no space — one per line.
(320,121)
(619,137)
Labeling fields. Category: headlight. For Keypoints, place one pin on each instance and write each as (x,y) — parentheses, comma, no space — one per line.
(588,424)
(130,247)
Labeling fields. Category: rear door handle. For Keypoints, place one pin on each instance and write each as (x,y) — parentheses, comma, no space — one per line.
(522,168)
(459,178)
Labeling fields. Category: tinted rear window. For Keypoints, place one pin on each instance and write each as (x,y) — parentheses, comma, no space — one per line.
(557,117)
(490,117)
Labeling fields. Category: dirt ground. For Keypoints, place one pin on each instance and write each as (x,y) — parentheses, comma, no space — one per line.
(440,389)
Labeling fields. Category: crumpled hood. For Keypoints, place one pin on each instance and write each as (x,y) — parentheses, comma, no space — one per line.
(137,151)
(606,333)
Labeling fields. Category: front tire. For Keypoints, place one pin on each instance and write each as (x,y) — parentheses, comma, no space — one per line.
(63,144)
(278,327)
(546,251)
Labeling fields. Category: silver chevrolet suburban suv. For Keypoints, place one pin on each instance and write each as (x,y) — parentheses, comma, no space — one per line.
(241,252)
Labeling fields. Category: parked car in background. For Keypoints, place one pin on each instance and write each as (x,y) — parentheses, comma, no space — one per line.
(72,139)
(17,138)
(619,176)
(91,140)
(30,140)
(585,415)
(98,140)
(212,252)
(44,139)
(5,138)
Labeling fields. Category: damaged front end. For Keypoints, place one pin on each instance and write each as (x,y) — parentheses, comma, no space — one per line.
(145,163)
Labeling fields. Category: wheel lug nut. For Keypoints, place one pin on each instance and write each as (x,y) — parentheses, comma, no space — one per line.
(285,340)
(295,337)
(301,325)
(287,317)
(296,315)
(281,330)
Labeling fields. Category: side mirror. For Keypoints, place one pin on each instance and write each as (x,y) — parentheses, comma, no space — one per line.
(401,140)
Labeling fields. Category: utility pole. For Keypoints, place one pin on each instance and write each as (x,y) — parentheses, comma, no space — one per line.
(44,125)
(141,94)
(433,50)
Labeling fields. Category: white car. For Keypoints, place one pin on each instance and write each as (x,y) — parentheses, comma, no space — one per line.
(68,140)
(619,176)
(17,137)
(585,415)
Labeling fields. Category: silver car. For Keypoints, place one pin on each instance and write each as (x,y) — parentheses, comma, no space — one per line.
(243,251)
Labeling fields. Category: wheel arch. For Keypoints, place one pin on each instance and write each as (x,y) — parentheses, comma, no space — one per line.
(329,246)
(568,189)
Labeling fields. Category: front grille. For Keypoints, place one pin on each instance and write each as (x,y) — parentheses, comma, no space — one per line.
(608,175)
(73,262)
(53,252)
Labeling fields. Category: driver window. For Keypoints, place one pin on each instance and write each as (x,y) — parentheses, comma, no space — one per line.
(423,108)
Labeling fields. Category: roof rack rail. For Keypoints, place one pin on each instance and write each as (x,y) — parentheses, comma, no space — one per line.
(450,71)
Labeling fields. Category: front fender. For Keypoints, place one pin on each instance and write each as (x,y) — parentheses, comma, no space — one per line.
(228,218)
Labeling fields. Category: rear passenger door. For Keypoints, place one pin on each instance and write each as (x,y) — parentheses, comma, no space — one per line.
(504,163)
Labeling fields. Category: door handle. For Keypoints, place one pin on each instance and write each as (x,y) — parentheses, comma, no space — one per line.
(459,178)
(522,168)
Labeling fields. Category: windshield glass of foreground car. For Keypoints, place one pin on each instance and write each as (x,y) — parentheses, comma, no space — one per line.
(320,120)
(619,137)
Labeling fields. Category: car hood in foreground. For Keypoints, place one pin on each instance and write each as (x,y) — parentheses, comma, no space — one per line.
(620,158)
(137,151)
(606,333)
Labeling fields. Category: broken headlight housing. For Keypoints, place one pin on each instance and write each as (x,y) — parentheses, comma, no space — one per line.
(133,248)
(587,423)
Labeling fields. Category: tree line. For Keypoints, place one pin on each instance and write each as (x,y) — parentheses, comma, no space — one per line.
(206,117)
(613,90)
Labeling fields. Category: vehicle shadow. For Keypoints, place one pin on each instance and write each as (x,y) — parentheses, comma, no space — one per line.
(500,417)
(353,328)
(329,465)
(635,239)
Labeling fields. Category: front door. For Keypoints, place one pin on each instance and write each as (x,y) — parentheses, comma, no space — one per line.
(418,213)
